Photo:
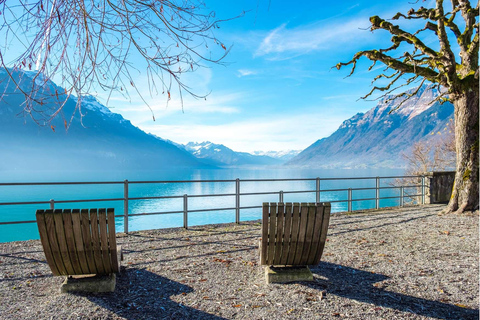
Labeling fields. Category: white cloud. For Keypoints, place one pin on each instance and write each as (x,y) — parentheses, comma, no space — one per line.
(280,133)
(313,37)
(246,72)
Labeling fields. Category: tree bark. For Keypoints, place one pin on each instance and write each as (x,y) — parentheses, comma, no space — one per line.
(465,190)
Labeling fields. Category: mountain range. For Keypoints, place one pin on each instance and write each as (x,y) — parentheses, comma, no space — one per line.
(378,137)
(102,140)
(220,155)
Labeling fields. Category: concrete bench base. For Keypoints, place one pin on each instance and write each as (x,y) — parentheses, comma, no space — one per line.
(287,274)
(89,283)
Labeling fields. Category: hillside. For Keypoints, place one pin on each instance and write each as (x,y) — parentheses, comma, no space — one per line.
(103,140)
(378,137)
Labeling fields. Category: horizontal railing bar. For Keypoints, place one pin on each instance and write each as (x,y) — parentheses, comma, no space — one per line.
(393,197)
(211,195)
(18,222)
(214,209)
(300,191)
(258,193)
(57,183)
(88,200)
(326,179)
(180,181)
(194,181)
(251,207)
(26,202)
(198,196)
(159,197)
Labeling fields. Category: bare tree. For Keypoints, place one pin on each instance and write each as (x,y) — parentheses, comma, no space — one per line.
(435,153)
(409,60)
(103,45)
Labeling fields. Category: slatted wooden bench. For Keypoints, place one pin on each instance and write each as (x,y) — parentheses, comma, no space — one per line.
(79,242)
(293,235)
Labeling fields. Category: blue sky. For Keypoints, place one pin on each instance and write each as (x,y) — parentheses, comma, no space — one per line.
(276,90)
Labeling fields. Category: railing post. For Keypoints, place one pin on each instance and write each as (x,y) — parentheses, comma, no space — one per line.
(377,192)
(402,194)
(237,201)
(317,190)
(423,189)
(185,211)
(125,206)
(280,196)
(349,200)
(52,204)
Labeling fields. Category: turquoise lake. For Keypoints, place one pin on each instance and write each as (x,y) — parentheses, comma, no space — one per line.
(14,232)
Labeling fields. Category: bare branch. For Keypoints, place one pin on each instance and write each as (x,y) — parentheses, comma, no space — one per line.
(90,45)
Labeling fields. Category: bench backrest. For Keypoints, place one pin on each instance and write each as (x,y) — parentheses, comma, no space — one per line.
(78,242)
(294,234)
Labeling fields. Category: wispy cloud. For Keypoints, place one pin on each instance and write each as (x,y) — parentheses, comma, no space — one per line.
(216,105)
(317,36)
(246,72)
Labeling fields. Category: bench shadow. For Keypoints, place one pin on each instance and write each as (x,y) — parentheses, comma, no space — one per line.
(359,285)
(141,294)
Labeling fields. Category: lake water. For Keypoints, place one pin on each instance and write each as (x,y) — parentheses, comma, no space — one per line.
(28,231)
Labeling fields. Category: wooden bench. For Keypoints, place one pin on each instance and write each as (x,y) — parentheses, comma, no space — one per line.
(79,242)
(293,234)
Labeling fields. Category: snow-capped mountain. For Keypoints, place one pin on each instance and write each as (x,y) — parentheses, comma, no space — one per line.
(378,137)
(220,155)
(283,155)
(99,140)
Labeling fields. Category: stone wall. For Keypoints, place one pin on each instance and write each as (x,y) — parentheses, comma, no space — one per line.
(439,186)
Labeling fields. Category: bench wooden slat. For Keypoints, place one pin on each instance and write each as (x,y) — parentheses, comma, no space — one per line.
(97,249)
(112,242)
(264,241)
(79,245)
(323,237)
(70,240)
(287,234)
(87,241)
(312,256)
(271,232)
(301,233)
(311,211)
(42,229)
(53,241)
(62,241)
(295,231)
(102,218)
(279,234)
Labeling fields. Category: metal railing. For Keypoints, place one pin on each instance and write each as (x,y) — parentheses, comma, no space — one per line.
(419,185)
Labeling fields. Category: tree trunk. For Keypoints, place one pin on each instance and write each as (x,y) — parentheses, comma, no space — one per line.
(465,190)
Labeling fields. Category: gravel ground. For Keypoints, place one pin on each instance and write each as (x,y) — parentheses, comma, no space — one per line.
(409,263)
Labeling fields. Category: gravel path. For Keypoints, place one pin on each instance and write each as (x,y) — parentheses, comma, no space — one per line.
(408,263)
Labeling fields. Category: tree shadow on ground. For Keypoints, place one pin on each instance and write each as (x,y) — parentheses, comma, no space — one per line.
(141,294)
(359,285)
